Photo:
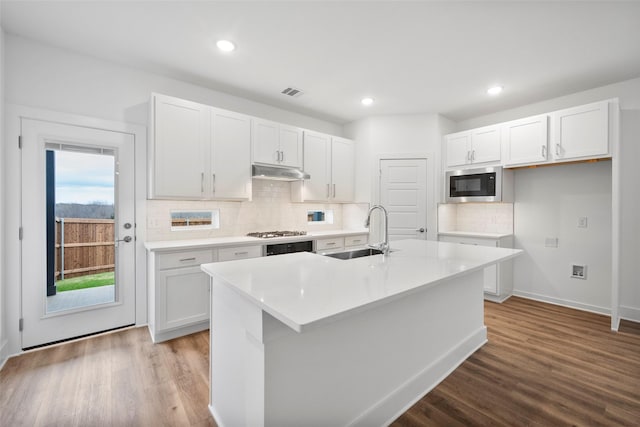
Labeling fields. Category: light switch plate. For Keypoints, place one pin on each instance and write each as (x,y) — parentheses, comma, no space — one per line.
(551,242)
(582,222)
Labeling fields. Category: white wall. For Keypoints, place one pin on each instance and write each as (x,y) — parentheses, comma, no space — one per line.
(54,79)
(60,80)
(628,93)
(3,334)
(378,136)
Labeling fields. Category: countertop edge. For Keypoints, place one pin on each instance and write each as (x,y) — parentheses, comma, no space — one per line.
(235,241)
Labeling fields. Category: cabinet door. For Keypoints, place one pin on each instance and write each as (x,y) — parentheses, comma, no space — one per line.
(491,272)
(526,140)
(317,155)
(182,297)
(458,149)
(581,132)
(265,138)
(180,145)
(235,253)
(291,146)
(485,145)
(231,155)
(342,170)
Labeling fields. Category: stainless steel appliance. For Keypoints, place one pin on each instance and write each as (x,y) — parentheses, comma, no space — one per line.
(284,248)
(475,185)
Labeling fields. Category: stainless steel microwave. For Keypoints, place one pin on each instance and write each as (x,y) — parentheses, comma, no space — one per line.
(474,185)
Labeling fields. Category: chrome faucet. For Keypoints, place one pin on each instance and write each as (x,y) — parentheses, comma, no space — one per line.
(383,246)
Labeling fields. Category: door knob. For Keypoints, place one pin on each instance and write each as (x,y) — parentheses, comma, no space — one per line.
(126,239)
(421,230)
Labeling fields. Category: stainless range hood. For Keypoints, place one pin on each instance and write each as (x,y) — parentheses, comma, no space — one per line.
(278,173)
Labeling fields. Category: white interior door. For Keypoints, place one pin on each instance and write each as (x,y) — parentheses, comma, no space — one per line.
(403,192)
(41,322)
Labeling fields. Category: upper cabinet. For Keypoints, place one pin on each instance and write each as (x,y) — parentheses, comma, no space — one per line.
(198,152)
(580,132)
(477,146)
(526,140)
(330,162)
(574,134)
(276,144)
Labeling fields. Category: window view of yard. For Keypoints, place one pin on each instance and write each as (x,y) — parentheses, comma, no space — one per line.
(83,282)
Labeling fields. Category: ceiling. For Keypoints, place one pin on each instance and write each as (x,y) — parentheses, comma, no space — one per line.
(411,57)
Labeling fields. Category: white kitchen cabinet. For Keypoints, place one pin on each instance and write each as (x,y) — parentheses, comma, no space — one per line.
(178,293)
(230,155)
(525,141)
(330,161)
(198,152)
(477,146)
(580,132)
(329,244)
(276,144)
(498,279)
(242,252)
(356,241)
(178,148)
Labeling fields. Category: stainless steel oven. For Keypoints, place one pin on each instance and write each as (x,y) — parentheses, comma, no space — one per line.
(474,185)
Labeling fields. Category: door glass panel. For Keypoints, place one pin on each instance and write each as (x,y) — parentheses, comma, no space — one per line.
(80,227)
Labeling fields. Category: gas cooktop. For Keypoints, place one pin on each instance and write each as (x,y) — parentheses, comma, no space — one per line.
(270,234)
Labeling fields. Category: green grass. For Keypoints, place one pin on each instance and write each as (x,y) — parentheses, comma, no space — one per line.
(83,282)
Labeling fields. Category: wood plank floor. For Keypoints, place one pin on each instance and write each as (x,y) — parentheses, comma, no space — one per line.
(544,365)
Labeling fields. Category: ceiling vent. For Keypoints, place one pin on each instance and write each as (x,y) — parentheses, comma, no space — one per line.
(292,92)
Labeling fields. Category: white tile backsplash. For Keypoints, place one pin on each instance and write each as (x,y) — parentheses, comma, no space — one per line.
(270,209)
(476,217)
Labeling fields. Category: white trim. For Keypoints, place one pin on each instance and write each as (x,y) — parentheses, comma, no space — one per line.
(422,383)
(4,353)
(14,114)
(564,303)
(433,180)
(616,211)
(629,313)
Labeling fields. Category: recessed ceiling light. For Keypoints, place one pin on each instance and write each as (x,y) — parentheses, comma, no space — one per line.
(495,90)
(366,101)
(225,45)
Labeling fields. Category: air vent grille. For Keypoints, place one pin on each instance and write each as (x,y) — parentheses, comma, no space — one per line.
(292,92)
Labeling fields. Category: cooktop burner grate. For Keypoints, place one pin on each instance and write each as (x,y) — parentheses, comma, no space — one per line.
(269,234)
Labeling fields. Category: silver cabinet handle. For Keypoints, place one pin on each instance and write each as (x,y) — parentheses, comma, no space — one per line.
(213,183)
(282,156)
(278,156)
(334,191)
(357,241)
(469,156)
(544,152)
(241,253)
(202,182)
(188,259)
(328,191)
(331,243)
(557,149)
(473,155)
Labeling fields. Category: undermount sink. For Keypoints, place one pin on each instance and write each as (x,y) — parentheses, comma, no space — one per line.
(359,253)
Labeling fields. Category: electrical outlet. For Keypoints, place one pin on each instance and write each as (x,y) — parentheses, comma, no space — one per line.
(579,271)
(582,222)
(551,242)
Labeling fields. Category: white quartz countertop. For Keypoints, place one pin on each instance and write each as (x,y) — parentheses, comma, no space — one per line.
(304,290)
(474,234)
(245,241)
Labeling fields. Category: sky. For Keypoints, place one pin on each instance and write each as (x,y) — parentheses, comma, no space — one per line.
(84,178)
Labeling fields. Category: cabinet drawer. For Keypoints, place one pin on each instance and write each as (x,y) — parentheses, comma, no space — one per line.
(184,258)
(242,252)
(470,240)
(356,240)
(333,243)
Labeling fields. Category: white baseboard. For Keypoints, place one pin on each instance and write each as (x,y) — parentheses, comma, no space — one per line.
(564,303)
(4,353)
(422,383)
(179,332)
(629,313)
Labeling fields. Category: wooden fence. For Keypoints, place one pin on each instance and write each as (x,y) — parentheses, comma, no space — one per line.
(84,246)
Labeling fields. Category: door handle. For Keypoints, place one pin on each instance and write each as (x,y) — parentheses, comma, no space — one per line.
(126,239)
(421,230)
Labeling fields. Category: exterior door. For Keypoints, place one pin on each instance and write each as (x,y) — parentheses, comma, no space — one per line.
(403,192)
(43,319)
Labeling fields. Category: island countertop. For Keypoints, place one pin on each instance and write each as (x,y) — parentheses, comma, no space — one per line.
(304,290)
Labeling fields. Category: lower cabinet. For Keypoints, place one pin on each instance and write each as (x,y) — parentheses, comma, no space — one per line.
(339,244)
(179,290)
(498,279)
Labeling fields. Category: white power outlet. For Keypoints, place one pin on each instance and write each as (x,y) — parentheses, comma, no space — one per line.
(582,222)
(579,271)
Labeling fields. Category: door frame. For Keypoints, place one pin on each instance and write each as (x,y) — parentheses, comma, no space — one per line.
(12,300)
(433,184)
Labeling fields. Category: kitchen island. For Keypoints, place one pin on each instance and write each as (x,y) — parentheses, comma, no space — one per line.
(304,339)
